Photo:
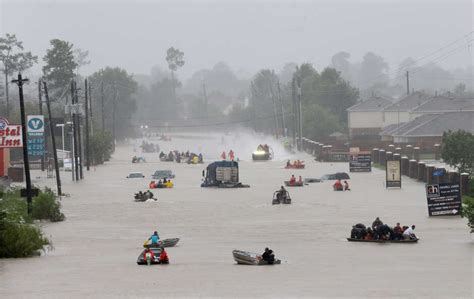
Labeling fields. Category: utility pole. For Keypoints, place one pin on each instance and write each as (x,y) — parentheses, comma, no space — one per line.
(79,134)
(274,105)
(295,114)
(87,89)
(26,162)
(74,134)
(206,113)
(114,104)
(300,123)
(102,105)
(281,108)
(6,89)
(53,140)
(408,83)
(41,113)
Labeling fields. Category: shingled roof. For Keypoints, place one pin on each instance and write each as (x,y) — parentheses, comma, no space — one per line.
(437,124)
(446,103)
(409,102)
(371,104)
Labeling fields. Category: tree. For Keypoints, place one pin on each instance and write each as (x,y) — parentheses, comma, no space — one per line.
(457,150)
(120,103)
(60,64)
(175,59)
(373,69)
(14,59)
(263,101)
(340,61)
(80,57)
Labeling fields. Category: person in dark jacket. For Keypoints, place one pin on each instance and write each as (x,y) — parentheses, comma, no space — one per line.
(268,256)
(377,222)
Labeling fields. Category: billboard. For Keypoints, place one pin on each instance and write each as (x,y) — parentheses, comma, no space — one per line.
(444,199)
(393,177)
(10,135)
(360,162)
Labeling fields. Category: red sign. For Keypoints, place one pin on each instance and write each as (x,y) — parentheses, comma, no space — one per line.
(10,135)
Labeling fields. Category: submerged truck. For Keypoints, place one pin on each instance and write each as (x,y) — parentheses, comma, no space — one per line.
(222,174)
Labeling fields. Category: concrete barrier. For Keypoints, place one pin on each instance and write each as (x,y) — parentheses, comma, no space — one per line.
(413,169)
(421,171)
(405,165)
(429,174)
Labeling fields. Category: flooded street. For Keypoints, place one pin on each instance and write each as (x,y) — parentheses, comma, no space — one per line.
(96,248)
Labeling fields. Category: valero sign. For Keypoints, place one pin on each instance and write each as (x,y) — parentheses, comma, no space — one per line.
(10,135)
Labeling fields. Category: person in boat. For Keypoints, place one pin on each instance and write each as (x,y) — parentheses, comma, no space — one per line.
(152,185)
(268,256)
(231,155)
(223,157)
(409,233)
(338,186)
(149,195)
(398,232)
(155,238)
(178,159)
(148,256)
(288,163)
(134,159)
(292,179)
(266,148)
(346,186)
(377,222)
(164,259)
(260,147)
(200,160)
(369,235)
(384,232)
(281,193)
(358,231)
(300,180)
(162,155)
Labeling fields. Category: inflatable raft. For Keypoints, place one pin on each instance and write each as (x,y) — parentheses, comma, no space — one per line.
(249,258)
(295,184)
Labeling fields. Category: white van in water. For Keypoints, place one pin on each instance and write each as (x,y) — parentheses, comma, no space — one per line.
(67,164)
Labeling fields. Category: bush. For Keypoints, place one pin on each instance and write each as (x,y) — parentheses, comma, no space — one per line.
(20,240)
(468,211)
(46,206)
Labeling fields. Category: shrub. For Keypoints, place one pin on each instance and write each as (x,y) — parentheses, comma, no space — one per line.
(468,211)
(20,240)
(46,206)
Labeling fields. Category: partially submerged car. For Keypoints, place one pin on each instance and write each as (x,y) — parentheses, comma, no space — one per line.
(335,176)
(163,174)
(135,175)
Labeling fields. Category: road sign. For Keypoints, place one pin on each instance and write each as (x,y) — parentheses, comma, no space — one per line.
(360,162)
(444,199)
(10,135)
(393,176)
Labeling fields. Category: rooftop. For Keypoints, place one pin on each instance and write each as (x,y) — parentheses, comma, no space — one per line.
(446,103)
(433,125)
(409,102)
(371,104)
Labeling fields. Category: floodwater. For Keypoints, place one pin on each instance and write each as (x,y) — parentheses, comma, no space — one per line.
(95,249)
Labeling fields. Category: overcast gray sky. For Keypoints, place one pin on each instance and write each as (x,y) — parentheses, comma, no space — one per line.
(248,35)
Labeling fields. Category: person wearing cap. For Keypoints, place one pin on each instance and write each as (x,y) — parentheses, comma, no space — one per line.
(409,233)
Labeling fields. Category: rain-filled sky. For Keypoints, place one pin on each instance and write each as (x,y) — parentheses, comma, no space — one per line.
(248,35)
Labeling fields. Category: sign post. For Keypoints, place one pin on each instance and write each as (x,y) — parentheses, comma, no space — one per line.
(360,162)
(393,178)
(444,199)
